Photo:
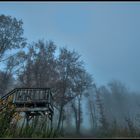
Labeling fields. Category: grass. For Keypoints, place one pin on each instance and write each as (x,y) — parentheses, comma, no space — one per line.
(38,128)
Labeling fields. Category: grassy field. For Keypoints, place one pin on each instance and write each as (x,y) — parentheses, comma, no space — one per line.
(11,127)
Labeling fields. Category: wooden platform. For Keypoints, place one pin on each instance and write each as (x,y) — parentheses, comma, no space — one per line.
(32,101)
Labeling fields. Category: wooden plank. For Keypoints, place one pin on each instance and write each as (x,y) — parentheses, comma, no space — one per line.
(31,109)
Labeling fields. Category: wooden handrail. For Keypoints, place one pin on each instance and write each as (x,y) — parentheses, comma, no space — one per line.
(18,89)
(8,94)
(50,96)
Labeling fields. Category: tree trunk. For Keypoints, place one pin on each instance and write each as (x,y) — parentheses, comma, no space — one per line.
(60,117)
(91,108)
(62,104)
(75,115)
(79,115)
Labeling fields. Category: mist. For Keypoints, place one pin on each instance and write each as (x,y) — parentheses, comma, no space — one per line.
(87,53)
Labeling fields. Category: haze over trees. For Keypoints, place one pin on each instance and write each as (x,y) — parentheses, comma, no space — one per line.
(112,110)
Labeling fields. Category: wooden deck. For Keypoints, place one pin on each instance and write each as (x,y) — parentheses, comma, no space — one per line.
(32,101)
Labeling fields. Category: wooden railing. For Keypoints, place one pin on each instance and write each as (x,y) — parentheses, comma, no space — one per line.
(34,96)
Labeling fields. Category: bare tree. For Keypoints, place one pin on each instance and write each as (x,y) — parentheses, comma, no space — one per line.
(65,74)
(40,66)
(11,35)
(11,39)
(69,68)
(83,83)
(91,108)
(100,105)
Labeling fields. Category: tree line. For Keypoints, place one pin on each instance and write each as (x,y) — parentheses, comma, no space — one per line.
(43,64)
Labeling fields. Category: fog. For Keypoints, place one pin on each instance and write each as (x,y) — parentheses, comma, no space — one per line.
(104,36)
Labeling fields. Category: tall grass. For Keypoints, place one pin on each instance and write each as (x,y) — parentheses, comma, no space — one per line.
(36,129)
(10,128)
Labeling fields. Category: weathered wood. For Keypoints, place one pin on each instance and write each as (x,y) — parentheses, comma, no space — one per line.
(26,109)
(31,95)
(32,101)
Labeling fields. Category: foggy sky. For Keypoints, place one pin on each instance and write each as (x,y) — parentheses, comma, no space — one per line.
(106,34)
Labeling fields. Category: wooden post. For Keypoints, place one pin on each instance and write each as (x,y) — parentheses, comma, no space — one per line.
(51,122)
(27,118)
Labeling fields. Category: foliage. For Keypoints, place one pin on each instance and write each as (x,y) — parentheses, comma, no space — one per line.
(9,127)
(65,74)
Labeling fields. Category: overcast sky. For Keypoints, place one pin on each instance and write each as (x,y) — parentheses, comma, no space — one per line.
(106,34)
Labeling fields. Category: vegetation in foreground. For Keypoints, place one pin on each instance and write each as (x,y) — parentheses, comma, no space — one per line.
(39,64)
(39,128)
(10,127)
